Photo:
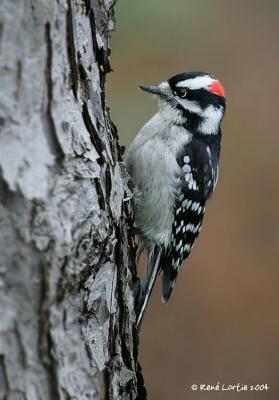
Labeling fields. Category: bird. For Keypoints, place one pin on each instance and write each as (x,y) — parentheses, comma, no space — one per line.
(173,163)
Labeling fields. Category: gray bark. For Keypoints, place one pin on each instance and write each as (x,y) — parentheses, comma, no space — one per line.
(67,327)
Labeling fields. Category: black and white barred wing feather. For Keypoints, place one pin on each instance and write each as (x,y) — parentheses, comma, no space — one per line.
(195,182)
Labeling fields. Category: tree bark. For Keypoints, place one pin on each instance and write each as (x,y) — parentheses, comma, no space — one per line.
(67,270)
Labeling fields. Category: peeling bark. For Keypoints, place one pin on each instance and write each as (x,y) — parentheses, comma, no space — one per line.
(67,270)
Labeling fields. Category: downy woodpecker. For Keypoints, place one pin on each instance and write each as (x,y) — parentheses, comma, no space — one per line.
(173,162)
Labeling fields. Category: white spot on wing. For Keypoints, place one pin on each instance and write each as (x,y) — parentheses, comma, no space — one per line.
(187,247)
(184,203)
(195,206)
(200,209)
(176,263)
(178,245)
(192,228)
(188,177)
(186,168)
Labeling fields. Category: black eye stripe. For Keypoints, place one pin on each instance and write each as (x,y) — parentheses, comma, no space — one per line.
(204,97)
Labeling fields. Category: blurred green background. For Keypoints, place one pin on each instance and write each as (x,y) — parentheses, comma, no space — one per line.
(221,323)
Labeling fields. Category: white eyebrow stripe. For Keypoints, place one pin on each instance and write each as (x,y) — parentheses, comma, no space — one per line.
(196,83)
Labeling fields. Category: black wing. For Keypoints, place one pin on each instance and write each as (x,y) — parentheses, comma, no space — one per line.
(196,181)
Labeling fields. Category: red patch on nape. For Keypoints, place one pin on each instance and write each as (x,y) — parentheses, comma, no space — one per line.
(216,88)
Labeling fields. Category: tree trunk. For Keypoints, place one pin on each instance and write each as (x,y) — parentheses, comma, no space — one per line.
(67,327)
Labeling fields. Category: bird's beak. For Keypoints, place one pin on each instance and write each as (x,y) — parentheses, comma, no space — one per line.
(163,89)
(154,89)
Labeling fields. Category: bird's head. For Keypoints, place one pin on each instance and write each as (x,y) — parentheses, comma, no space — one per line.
(192,96)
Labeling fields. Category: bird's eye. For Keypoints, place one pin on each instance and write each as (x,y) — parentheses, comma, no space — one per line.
(182,93)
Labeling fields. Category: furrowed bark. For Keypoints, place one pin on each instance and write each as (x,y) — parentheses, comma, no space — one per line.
(67,271)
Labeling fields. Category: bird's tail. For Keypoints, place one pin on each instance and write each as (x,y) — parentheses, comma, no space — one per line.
(147,282)
(169,277)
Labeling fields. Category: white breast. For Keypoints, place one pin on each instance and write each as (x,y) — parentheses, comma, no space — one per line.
(151,162)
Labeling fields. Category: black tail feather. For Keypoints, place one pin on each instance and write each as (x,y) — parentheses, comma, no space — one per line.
(167,280)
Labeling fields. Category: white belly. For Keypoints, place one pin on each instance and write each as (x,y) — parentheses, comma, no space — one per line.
(151,162)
